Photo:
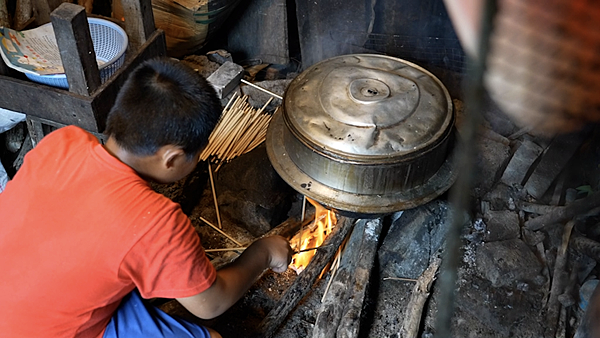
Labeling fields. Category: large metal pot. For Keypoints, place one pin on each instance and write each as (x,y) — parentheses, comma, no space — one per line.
(365,134)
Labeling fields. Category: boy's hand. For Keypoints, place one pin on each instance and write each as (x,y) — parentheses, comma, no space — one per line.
(233,280)
(280,252)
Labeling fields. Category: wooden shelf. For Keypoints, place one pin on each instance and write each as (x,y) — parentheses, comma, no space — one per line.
(87,102)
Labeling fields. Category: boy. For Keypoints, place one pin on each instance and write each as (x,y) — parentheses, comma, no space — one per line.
(82,234)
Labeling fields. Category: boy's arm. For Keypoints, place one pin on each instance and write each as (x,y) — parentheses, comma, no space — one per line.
(235,279)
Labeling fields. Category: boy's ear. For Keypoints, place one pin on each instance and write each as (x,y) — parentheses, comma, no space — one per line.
(170,155)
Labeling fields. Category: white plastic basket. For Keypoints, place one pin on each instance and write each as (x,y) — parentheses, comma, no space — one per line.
(110,43)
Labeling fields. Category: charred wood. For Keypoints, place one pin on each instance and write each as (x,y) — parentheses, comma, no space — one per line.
(341,308)
(560,279)
(350,322)
(416,304)
(302,285)
(561,214)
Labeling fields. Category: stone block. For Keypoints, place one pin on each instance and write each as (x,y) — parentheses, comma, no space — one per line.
(507,263)
(501,225)
(251,192)
(412,238)
(491,158)
(553,161)
(226,78)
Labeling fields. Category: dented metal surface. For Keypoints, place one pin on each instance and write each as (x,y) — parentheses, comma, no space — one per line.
(369,134)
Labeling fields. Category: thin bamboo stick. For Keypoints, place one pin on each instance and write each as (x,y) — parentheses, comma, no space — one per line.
(214,193)
(335,266)
(302,221)
(226,249)
(262,89)
(220,231)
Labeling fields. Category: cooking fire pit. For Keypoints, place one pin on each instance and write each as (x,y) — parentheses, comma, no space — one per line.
(365,134)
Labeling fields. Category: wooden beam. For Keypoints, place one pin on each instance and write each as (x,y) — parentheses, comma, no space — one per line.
(139,21)
(47,102)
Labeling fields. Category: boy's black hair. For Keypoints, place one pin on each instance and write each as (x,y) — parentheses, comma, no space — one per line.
(163,102)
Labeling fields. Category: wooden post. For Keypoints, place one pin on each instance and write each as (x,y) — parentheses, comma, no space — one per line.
(76,48)
(4,17)
(139,21)
(23,14)
(303,284)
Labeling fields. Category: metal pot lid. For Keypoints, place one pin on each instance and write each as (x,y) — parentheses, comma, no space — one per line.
(365,105)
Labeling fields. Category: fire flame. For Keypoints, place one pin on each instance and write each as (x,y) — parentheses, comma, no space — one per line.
(312,236)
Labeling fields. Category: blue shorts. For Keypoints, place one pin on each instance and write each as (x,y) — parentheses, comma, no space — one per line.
(135,319)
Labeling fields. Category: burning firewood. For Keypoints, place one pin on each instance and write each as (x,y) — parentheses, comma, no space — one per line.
(312,236)
(302,285)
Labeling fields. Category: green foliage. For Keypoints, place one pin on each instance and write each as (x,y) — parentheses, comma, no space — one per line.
(585,189)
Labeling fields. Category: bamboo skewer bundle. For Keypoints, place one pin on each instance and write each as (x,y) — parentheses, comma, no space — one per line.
(240,129)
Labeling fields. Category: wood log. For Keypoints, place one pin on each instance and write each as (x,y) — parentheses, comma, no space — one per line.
(586,246)
(560,278)
(350,321)
(291,226)
(303,284)
(552,162)
(340,313)
(561,214)
(332,307)
(416,304)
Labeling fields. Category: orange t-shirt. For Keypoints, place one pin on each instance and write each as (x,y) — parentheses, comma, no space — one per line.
(78,231)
